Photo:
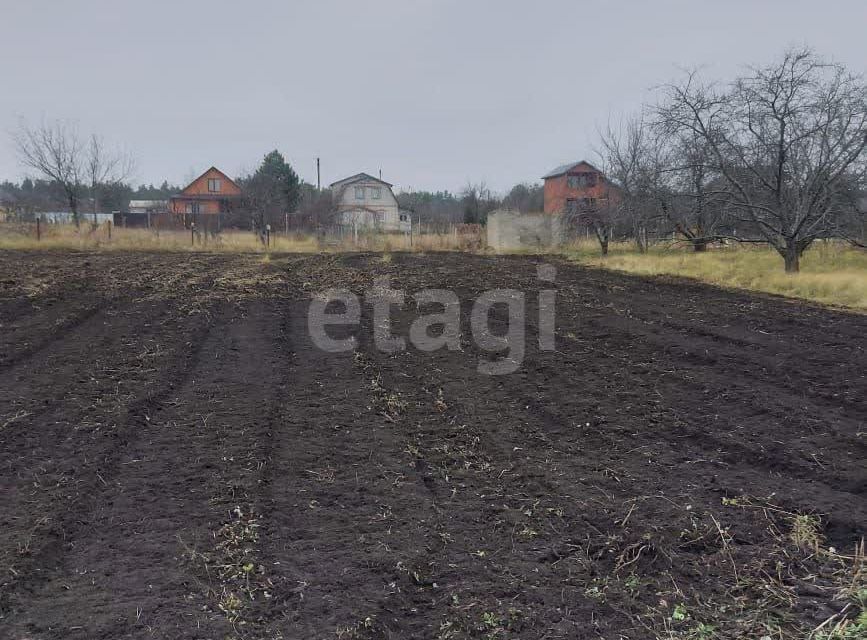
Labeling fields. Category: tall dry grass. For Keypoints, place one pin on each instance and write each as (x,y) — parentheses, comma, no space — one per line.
(832,273)
(67,237)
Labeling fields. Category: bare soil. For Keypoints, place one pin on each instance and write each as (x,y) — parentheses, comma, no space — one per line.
(177,460)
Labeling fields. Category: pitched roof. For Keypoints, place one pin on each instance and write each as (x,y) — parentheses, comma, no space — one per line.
(360,176)
(566,168)
(204,173)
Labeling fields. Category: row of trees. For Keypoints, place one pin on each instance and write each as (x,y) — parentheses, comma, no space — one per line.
(47,195)
(775,156)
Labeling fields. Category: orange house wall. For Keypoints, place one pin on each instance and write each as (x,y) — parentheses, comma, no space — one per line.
(179,205)
(199,187)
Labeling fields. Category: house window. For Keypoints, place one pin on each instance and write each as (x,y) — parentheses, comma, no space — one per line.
(375,193)
(359,193)
(403,217)
(582,180)
(215,185)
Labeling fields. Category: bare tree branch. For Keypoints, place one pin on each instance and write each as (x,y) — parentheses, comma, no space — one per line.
(57,152)
(789,140)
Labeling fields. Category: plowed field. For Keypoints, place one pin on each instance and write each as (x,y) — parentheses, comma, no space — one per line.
(178,460)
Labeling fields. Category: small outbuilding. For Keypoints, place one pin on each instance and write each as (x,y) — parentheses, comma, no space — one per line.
(148,206)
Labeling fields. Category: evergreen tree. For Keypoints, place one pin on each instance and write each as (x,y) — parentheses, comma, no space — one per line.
(272,191)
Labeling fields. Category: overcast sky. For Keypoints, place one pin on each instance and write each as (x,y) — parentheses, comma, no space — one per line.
(433,92)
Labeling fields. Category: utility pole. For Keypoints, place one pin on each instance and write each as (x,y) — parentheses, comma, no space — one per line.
(318,179)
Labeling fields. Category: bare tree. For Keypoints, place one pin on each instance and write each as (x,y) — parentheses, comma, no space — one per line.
(478,201)
(854,222)
(104,167)
(852,225)
(787,138)
(316,208)
(57,152)
(602,218)
(632,157)
(696,208)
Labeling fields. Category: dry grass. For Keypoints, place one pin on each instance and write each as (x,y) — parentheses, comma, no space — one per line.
(67,237)
(831,273)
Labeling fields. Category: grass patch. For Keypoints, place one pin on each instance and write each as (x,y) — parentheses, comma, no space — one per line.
(831,273)
(22,236)
(67,237)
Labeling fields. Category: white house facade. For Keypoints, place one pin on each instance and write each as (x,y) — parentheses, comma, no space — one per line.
(365,202)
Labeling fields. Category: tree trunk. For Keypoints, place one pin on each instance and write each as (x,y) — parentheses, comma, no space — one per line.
(73,205)
(792,257)
(641,240)
(602,236)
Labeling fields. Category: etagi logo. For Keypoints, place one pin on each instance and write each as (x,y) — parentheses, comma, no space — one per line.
(508,344)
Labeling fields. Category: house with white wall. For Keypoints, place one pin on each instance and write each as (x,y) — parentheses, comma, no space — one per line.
(364,202)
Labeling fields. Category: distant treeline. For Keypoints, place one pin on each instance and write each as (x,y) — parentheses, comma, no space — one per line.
(49,195)
(472,205)
(436,209)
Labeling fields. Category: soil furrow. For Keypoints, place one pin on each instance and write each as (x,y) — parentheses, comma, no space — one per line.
(185,462)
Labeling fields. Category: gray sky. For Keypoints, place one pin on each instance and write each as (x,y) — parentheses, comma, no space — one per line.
(433,92)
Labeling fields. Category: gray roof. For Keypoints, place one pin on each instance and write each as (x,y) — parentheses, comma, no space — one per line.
(565,168)
(360,176)
(148,203)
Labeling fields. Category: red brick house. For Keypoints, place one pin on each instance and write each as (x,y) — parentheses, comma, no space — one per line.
(577,186)
(211,194)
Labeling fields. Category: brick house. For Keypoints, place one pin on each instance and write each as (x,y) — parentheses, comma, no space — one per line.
(211,194)
(577,186)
